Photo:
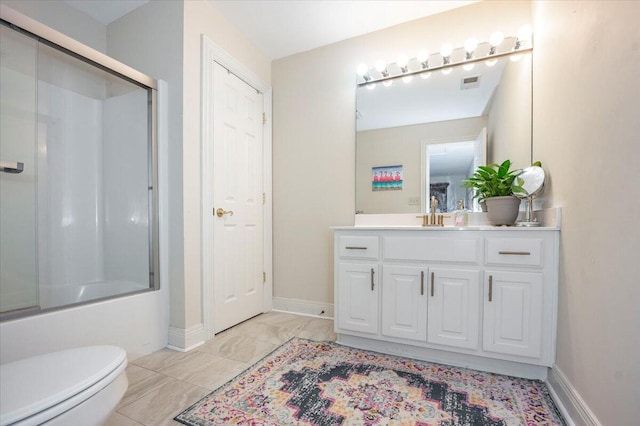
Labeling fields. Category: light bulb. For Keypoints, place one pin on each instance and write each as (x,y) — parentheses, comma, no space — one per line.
(423,56)
(387,83)
(491,62)
(468,67)
(407,78)
(515,58)
(425,75)
(524,33)
(446,49)
(470,45)
(402,61)
(362,69)
(447,71)
(381,66)
(496,39)
(371,86)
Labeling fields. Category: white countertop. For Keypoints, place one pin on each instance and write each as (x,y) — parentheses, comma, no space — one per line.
(550,220)
(445,228)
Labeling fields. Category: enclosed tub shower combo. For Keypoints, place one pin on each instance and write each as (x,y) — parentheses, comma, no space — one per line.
(78,225)
(77,177)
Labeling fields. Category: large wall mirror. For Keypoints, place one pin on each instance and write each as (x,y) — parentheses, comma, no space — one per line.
(421,137)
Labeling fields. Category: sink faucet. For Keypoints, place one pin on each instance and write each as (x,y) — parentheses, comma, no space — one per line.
(434,206)
(432,219)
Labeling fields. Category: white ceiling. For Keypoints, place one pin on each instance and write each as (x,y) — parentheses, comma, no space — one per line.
(281,28)
(106,11)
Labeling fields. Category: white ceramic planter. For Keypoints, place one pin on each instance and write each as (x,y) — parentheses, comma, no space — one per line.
(502,210)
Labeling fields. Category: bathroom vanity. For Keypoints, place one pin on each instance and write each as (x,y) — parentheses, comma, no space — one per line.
(481,297)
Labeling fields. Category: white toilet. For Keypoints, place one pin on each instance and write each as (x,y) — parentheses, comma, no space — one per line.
(79,386)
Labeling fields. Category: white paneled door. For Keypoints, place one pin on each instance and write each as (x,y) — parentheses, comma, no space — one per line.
(237,200)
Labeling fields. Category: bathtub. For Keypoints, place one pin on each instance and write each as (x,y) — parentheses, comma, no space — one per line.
(52,296)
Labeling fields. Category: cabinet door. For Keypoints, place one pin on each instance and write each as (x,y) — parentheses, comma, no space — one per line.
(454,308)
(513,313)
(404,302)
(358,292)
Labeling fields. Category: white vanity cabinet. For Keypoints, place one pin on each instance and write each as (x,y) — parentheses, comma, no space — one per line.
(483,298)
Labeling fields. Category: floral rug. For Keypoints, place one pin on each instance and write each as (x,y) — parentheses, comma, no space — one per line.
(321,383)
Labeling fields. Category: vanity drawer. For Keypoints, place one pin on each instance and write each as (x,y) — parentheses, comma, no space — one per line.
(458,250)
(358,246)
(514,251)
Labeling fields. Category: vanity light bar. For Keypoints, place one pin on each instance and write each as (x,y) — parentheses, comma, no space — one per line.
(381,72)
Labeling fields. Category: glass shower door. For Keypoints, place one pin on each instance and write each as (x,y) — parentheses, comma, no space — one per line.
(18,172)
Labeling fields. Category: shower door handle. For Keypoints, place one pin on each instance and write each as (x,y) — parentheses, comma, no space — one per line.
(11,167)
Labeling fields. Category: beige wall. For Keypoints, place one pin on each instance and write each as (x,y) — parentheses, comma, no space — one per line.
(163,39)
(509,128)
(403,145)
(201,18)
(587,135)
(314,135)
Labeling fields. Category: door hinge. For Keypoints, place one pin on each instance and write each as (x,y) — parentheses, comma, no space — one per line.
(264,277)
(264,198)
(264,118)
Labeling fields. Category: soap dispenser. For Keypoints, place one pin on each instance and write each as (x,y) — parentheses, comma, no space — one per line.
(460,215)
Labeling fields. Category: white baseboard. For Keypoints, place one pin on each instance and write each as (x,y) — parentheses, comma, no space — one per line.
(183,340)
(574,409)
(303,307)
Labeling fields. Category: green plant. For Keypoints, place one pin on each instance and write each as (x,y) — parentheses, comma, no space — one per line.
(494,180)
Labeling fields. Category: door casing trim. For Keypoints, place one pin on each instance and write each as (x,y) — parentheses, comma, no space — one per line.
(213,53)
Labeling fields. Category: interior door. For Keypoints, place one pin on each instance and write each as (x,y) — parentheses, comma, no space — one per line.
(238,200)
(18,171)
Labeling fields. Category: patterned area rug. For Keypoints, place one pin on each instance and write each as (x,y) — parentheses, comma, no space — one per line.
(320,383)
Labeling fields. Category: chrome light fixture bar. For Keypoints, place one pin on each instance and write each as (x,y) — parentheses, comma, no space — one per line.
(448,57)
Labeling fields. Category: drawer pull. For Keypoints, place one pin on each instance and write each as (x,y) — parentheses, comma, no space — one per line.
(490,287)
(355,248)
(516,253)
(421,283)
(432,284)
(372,272)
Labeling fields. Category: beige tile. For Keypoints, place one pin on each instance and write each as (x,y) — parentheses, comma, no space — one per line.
(283,319)
(164,402)
(190,363)
(141,381)
(215,375)
(238,348)
(263,332)
(318,329)
(118,419)
(157,360)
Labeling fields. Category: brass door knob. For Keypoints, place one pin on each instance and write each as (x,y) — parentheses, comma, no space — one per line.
(221,212)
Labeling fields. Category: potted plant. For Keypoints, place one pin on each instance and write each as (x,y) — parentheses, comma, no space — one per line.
(494,184)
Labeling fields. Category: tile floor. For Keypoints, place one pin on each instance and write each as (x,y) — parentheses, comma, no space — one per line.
(163,384)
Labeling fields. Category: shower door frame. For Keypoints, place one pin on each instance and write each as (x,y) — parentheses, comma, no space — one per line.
(46,35)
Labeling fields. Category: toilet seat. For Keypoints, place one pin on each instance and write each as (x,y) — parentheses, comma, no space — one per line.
(37,389)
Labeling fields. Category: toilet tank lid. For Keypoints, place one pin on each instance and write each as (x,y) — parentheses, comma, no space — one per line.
(31,385)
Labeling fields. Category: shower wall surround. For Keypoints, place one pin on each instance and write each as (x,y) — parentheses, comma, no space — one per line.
(83,212)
